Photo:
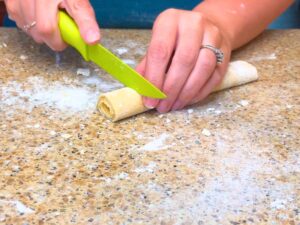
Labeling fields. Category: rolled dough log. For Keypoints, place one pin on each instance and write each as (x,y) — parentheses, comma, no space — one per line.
(126,102)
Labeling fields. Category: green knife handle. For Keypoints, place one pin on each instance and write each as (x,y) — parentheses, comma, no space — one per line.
(71,35)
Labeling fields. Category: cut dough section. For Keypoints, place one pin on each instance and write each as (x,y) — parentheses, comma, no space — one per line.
(126,102)
(121,103)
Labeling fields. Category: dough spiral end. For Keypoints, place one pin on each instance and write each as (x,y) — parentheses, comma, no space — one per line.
(125,102)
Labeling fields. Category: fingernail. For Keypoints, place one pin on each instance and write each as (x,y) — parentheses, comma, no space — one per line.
(92,36)
(176,106)
(150,103)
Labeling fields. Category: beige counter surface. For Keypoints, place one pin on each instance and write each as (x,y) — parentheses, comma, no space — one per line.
(234,159)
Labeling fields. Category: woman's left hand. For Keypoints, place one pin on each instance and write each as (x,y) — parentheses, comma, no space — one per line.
(176,63)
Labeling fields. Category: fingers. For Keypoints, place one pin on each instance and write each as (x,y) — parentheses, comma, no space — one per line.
(47,24)
(203,70)
(192,71)
(160,51)
(190,35)
(13,9)
(141,68)
(84,16)
(45,15)
(27,15)
(214,80)
(41,13)
(14,12)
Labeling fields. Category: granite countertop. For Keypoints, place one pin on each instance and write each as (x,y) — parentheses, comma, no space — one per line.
(234,159)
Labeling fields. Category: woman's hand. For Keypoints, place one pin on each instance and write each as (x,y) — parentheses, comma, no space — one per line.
(43,16)
(176,63)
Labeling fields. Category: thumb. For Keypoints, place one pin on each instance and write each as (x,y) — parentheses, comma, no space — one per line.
(83,14)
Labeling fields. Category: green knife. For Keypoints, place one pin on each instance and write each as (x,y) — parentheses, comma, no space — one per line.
(106,59)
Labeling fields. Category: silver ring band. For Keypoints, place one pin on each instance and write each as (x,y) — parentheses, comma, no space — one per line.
(219,54)
(27,27)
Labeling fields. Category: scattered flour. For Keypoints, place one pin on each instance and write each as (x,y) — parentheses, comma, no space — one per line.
(206,132)
(83,72)
(138,135)
(244,102)
(149,168)
(3,45)
(157,144)
(15,168)
(52,133)
(121,51)
(92,166)
(68,96)
(66,136)
(129,62)
(23,57)
(101,84)
(236,185)
(121,176)
(218,112)
(105,179)
(43,148)
(264,57)
(20,207)
(65,98)
(131,44)
(116,178)
(279,204)
(168,120)
(190,111)
(37,126)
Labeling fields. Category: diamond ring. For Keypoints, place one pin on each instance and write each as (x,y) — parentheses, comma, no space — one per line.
(219,54)
(27,27)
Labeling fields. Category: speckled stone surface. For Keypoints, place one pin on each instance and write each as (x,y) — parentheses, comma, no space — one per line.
(234,159)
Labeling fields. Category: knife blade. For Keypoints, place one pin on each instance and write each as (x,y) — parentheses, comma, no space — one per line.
(106,59)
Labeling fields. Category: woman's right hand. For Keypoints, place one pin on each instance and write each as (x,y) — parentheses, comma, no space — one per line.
(43,15)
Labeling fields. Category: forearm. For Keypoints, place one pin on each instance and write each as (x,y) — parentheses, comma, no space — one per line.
(242,20)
